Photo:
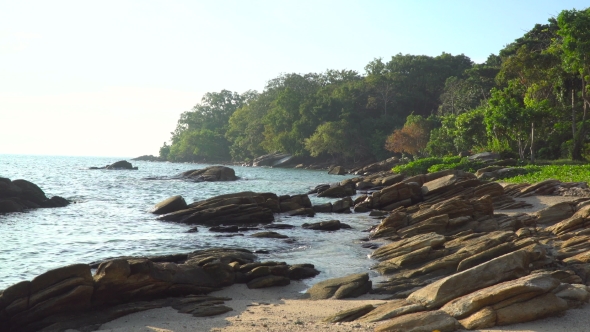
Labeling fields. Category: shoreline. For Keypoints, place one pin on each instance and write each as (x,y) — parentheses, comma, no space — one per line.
(282,309)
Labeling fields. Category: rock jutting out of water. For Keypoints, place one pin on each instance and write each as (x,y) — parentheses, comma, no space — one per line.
(119,165)
(21,195)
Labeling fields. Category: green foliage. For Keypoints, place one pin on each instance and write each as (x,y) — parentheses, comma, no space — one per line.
(435,164)
(532,100)
(564,173)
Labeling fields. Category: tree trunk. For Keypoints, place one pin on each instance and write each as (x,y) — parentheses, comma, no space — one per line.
(532,142)
(581,134)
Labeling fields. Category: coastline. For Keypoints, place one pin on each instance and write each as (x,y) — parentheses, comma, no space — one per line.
(282,309)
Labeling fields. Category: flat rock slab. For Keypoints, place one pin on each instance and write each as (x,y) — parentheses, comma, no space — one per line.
(506,267)
(425,321)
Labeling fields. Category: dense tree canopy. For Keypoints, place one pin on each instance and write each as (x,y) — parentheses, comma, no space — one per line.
(530,100)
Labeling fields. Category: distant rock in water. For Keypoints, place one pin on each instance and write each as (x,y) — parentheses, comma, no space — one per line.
(207,174)
(273,159)
(20,195)
(119,165)
(149,157)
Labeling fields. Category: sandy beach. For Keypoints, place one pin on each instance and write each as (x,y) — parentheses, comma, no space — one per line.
(282,309)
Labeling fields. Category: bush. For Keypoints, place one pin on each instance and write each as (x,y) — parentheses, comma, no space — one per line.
(431,165)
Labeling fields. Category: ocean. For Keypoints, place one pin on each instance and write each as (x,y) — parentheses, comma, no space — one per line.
(109,217)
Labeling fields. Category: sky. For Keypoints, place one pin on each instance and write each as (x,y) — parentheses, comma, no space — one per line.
(111,78)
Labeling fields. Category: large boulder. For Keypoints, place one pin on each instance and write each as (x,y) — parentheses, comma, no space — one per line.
(353,285)
(210,174)
(337,170)
(230,209)
(20,195)
(506,267)
(172,204)
(525,288)
(122,164)
(273,159)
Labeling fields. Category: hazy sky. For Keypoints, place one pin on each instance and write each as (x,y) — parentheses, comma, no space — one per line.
(110,78)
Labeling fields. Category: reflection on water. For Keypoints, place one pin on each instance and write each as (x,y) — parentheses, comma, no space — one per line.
(109,217)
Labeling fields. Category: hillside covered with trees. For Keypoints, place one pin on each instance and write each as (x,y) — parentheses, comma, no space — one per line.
(529,101)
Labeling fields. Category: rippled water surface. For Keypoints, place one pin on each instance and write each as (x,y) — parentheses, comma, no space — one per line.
(109,217)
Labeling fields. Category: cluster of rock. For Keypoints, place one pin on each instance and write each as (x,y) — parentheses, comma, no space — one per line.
(453,263)
(55,300)
(20,195)
(207,174)
(119,165)
(243,208)
(388,191)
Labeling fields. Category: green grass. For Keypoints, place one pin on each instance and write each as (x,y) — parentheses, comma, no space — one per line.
(563,173)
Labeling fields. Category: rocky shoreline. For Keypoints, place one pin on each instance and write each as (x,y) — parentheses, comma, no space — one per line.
(451,261)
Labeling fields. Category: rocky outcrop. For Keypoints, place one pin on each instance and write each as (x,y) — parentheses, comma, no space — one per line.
(209,174)
(453,263)
(273,160)
(21,195)
(353,285)
(119,165)
(337,170)
(330,225)
(119,284)
(172,204)
(149,158)
(243,208)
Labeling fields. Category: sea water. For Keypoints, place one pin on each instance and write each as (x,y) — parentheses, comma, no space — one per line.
(109,217)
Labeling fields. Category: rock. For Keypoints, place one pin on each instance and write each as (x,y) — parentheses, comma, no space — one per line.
(337,170)
(225,229)
(482,319)
(268,281)
(350,314)
(339,288)
(302,271)
(330,225)
(289,203)
(534,284)
(30,191)
(484,156)
(309,212)
(270,235)
(149,158)
(338,191)
(327,208)
(342,205)
(172,204)
(539,307)
(8,205)
(210,174)
(506,267)
(273,159)
(426,321)
(119,165)
(390,310)
(555,213)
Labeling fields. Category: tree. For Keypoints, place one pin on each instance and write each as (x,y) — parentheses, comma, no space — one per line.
(412,138)
(574,29)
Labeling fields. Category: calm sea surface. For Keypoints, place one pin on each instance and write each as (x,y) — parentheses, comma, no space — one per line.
(109,217)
